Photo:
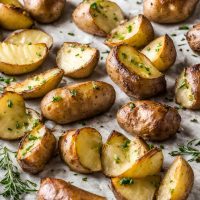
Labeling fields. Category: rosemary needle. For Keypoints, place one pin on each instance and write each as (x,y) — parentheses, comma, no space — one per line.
(13,186)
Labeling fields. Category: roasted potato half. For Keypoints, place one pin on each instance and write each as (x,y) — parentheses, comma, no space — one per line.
(78,101)
(119,153)
(166,12)
(187,89)
(134,73)
(15,119)
(161,52)
(29,36)
(37,85)
(13,18)
(135,189)
(77,60)
(21,59)
(80,149)
(193,37)
(178,181)
(136,32)
(149,120)
(45,11)
(51,188)
(36,149)
(97,17)
(15,3)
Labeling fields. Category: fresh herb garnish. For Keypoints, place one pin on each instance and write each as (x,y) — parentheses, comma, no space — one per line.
(9,103)
(184,27)
(194,120)
(71,34)
(126,144)
(151,146)
(132,106)
(126,181)
(94,86)
(73,93)
(57,98)
(117,159)
(84,179)
(129,28)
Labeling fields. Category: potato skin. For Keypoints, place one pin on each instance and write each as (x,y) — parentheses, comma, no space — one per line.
(132,84)
(193,78)
(45,11)
(39,156)
(91,98)
(168,11)
(149,120)
(193,38)
(52,189)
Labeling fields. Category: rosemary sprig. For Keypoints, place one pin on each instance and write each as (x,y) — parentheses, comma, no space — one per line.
(189,149)
(13,186)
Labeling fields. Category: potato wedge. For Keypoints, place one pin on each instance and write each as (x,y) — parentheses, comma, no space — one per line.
(15,3)
(136,32)
(119,153)
(15,119)
(178,181)
(13,18)
(135,189)
(36,149)
(134,73)
(77,60)
(29,36)
(37,85)
(149,120)
(80,149)
(78,101)
(20,59)
(52,189)
(97,17)
(187,89)
(161,52)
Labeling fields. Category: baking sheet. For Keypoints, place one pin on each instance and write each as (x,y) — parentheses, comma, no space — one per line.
(105,123)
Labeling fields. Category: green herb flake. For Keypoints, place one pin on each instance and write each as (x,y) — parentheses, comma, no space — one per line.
(117,159)
(151,146)
(126,144)
(32,137)
(9,103)
(35,123)
(73,93)
(71,34)
(194,120)
(56,99)
(18,126)
(95,86)
(132,106)
(124,56)
(129,29)
(126,181)
(148,49)
(84,179)
(30,87)
(94,6)
(38,54)
(183,27)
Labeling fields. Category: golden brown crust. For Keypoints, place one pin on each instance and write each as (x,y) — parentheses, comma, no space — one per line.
(57,189)
(149,120)
(132,84)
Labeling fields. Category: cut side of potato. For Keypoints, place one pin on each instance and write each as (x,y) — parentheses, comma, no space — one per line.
(178,181)
(161,52)
(37,85)
(15,119)
(80,149)
(20,59)
(77,60)
(98,17)
(136,32)
(119,153)
(12,2)
(135,189)
(13,18)
(36,149)
(30,36)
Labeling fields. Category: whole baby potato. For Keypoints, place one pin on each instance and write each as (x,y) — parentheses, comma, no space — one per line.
(150,120)
(45,11)
(78,101)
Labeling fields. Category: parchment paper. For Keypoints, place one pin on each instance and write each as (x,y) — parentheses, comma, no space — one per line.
(105,123)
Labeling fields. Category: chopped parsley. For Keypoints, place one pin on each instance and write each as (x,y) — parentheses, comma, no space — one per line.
(94,86)
(38,54)
(129,29)
(194,120)
(73,93)
(183,27)
(56,98)
(126,144)
(117,159)
(132,106)
(126,181)
(32,137)
(71,34)
(9,103)
(124,56)
(84,179)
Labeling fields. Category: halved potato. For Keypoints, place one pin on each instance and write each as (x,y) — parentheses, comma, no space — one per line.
(161,52)
(15,119)
(37,85)
(36,149)
(12,2)
(97,17)
(178,181)
(193,37)
(134,73)
(187,89)
(80,149)
(13,18)
(29,36)
(119,153)
(135,189)
(136,32)
(77,60)
(20,59)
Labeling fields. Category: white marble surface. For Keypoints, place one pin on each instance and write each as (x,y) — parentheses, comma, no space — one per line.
(106,123)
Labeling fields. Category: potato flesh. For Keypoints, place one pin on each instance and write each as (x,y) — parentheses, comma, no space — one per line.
(21,54)
(30,36)
(72,57)
(33,82)
(141,189)
(106,14)
(135,62)
(88,145)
